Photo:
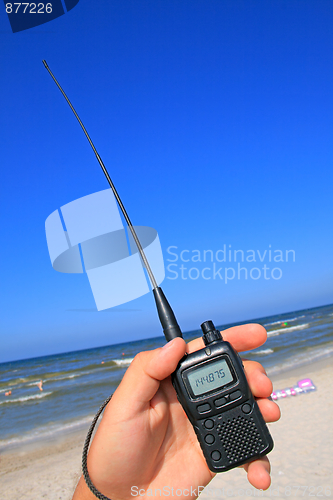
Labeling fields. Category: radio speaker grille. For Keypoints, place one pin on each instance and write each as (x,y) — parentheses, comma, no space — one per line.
(240,438)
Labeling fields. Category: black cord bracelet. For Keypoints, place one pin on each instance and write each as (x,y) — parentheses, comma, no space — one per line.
(86,476)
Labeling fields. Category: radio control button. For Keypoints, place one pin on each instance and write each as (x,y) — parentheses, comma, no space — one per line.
(209,424)
(235,395)
(209,439)
(203,408)
(216,455)
(220,402)
(246,408)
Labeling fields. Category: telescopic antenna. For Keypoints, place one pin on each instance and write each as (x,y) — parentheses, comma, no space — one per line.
(99,159)
(166,315)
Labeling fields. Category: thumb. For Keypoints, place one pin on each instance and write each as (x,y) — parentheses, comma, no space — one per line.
(142,379)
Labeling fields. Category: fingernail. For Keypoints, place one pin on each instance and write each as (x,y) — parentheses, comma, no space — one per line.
(263,376)
(168,344)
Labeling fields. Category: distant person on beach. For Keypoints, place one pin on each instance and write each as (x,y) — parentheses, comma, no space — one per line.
(8,393)
(145,440)
(40,385)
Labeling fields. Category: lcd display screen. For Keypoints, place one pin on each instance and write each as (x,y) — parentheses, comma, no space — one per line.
(209,377)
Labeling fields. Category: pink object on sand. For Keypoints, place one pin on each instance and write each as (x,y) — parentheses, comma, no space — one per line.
(306,385)
(303,386)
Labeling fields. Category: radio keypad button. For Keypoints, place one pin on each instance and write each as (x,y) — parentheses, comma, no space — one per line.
(220,402)
(203,408)
(209,424)
(246,408)
(235,395)
(209,439)
(216,455)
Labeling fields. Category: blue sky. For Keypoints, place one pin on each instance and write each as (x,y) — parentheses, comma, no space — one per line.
(214,119)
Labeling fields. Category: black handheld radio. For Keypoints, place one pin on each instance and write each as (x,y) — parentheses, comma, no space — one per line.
(210,383)
(212,388)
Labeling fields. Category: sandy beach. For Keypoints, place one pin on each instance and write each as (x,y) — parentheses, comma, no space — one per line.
(302,460)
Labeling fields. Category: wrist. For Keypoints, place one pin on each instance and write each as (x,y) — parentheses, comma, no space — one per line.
(82,492)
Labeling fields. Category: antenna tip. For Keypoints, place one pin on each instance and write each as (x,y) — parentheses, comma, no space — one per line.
(45,63)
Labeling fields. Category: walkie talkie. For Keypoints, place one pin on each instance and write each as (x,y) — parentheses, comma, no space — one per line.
(212,388)
(210,383)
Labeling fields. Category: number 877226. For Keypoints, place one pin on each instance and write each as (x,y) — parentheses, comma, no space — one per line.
(28,8)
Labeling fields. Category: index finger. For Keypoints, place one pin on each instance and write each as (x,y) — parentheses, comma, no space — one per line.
(242,338)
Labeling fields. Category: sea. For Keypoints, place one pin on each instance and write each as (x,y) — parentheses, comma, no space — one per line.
(76,383)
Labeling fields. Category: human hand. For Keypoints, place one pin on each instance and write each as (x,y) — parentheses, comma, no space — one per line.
(146,441)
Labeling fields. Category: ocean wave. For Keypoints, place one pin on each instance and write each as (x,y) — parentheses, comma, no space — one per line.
(285,320)
(15,382)
(305,358)
(273,323)
(46,380)
(123,362)
(272,333)
(50,378)
(263,352)
(26,398)
(46,432)
(66,377)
